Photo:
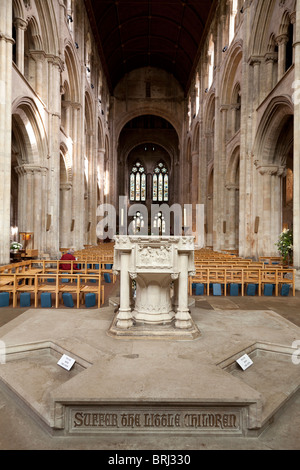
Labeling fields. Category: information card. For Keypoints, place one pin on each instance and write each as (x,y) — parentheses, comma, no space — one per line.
(66,362)
(244,362)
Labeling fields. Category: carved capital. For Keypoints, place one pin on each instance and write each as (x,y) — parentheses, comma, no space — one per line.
(271,170)
(282,39)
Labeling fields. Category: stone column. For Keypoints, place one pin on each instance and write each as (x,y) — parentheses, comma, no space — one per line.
(248,124)
(255,62)
(282,41)
(231,216)
(31,202)
(124,317)
(194,189)
(272,206)
(6,42)
(270,59)
(101,157)
(20,26)
(39,58)
(65,214)
(52,234)
(296,169)
(182,317)
(78,201)
(219,187)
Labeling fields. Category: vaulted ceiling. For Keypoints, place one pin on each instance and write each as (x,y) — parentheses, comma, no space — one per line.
(159,33)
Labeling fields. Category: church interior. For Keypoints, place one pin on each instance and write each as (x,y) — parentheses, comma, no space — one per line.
(112,113)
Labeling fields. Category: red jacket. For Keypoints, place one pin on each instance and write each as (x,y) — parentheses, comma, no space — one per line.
(67,266)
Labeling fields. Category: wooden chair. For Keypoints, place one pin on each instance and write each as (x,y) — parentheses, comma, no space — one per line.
(72,287)
(96,288)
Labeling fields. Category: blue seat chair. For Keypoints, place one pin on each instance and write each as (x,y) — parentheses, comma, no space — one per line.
(217,289)
(199,289)
(46,301)
(251,289)
(285,290)
(107,277)
(234,289)
(90,299)
(268,289)
(68,300)
(25,299)
(4,299)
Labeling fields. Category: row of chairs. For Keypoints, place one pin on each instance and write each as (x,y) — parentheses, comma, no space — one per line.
(223,280)
(50,289)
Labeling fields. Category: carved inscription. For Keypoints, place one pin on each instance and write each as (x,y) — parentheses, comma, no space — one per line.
(87,420)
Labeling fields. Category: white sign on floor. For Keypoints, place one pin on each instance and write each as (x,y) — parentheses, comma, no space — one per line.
(244,362)
(66,362)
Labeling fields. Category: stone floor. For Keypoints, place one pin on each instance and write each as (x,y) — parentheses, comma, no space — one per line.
(20,431)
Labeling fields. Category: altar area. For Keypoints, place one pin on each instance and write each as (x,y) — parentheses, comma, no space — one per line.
(154,272)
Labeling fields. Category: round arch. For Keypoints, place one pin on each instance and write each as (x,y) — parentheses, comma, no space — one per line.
(231,71)
(26,116)
(147,110)
(278,112)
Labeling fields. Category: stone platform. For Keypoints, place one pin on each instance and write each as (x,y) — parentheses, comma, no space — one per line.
(172,387)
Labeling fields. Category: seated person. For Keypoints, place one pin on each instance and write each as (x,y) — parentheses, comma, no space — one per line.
(68,256)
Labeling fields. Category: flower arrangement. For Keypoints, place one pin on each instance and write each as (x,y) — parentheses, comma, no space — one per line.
(15,246)
(285,245)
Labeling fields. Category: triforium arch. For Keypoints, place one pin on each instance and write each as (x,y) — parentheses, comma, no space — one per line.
(273,153)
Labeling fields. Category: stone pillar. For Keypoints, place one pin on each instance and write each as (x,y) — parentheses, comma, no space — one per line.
(101,160)
(65,214)
(255,62)
(182,317)
(231,216)
(78,211)
(52,234)
(219,184)
(272,207)
(31,202)
(282,41)
(39,58)
(124,317)
(194,188)
(296,169)
(20,26)
(248,124)
(270,59)
(6,42)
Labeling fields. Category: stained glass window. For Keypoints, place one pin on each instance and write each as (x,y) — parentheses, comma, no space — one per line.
(138,188)
(154,187)
(160,183)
